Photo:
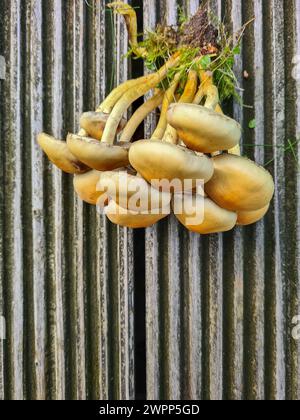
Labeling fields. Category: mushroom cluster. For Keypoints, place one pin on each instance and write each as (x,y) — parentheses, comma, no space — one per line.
(136,184)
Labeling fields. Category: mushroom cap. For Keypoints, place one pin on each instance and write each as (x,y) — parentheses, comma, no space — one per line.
(94,123)
(212,218)
(59,154)
(239,184)
(202,129)
(246,218)
(132,192)
(97,155)
(131,219)
(157,160)
(85,186)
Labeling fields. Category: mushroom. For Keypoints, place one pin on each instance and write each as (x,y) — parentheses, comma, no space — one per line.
(140,115)
(201,215)
(158,160)
(94,123)
(132,192)
(132,219)
(130,18)
(239,184)
(98,155)
(110,112)
(105,155)
(85,186)
(201,128)
(59,154)
(121,106)
(246,218)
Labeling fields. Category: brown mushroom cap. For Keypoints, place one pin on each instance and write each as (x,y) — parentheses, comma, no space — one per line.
(246,218)
(94,123)
(239,184)
(132,192)
(59,154)
(97,155)
(130,219)
(214,219)
(157,160)
(85,186)
(202,129)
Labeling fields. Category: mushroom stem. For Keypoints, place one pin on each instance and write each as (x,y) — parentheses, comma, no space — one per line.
(130,17)
(170,135)
(187,97)
(168,99)
(208,89)
(206,79)
(139,116)
(190,88)
(235,150)
(116,94)
(132,95)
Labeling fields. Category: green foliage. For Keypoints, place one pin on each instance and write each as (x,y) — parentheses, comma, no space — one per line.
(182,17)
(162,43)
(205,62)
(157,46)
(289,148)
(252,124)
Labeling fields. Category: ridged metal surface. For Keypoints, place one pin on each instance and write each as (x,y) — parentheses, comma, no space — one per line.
(219,309)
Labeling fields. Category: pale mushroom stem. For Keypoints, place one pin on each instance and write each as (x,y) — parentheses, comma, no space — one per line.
(130,17)
(82,133)
(132,95)
(187,97)
(168,99)
(140,114)
(235,150)
(205,80)
(190,88)
(116,94)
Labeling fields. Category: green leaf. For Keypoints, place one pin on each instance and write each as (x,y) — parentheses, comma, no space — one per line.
(236,50)
(252,124)
(205,62)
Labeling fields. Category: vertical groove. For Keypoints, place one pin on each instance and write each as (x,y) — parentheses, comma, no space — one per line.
(124,280)
(254,263)
(53,121)
(233,286)
(96,228)
(191,301)
(213,325)
(153,348)
(2,366)
(275,135)
(294,392)
(291,272)
(13,265)
(172,286)
(35,273)
(73,215)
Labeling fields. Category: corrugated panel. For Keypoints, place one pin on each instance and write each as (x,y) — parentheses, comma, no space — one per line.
(219,309)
